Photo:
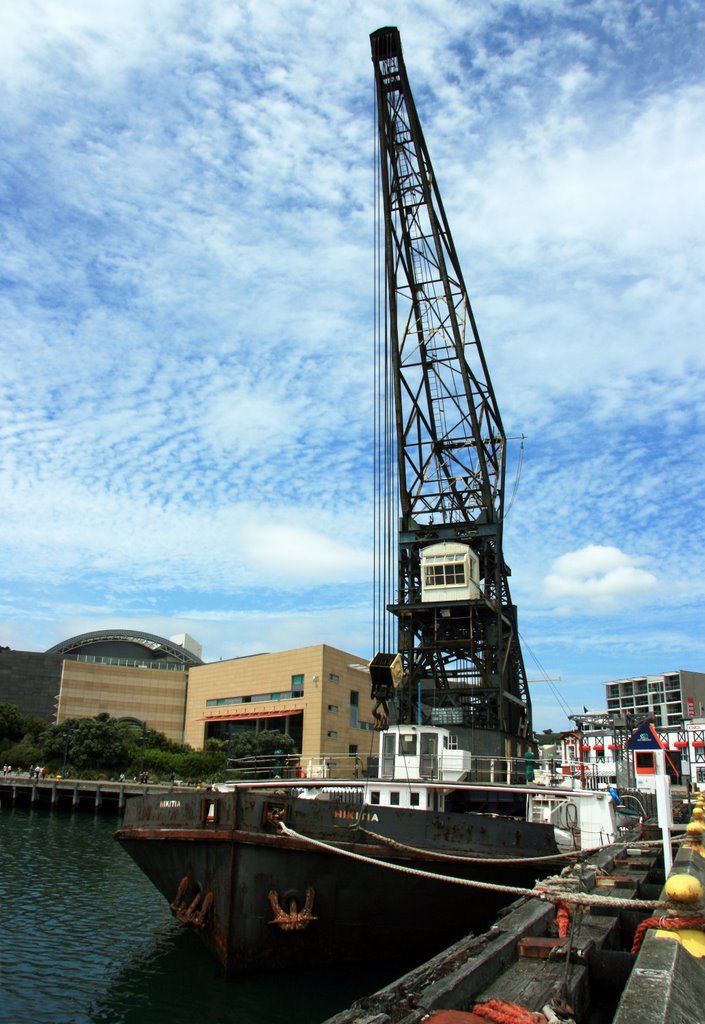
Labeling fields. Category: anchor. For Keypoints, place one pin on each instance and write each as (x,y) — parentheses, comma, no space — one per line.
(295,920)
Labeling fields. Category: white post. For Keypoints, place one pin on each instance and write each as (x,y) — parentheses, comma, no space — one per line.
(664,810)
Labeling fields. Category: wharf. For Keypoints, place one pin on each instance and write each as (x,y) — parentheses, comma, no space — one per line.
(590,973)
(74,794)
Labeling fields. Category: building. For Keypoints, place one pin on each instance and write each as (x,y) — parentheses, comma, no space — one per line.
(125,673)
(674,703)
(317,695)
(667,700)
(30,680)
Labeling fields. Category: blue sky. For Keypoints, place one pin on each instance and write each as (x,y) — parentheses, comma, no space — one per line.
(186,293)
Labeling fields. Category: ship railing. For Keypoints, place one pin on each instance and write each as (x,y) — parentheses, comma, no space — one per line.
(511,771)
(298,766)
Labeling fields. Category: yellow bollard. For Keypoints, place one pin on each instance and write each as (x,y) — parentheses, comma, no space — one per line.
(686,895)
(694,831)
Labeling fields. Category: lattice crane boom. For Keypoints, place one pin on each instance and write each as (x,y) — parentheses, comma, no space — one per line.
(459,644)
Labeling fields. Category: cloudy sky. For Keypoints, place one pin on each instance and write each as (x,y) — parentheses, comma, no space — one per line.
(186,290)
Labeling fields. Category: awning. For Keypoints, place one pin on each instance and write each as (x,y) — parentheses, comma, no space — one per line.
(234,716)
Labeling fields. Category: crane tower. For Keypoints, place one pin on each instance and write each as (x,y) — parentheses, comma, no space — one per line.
(441,459)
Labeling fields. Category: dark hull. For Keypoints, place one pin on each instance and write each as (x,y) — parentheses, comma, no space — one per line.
(232,877)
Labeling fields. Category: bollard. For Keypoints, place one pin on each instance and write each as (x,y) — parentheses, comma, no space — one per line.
(686,895)
(694,831)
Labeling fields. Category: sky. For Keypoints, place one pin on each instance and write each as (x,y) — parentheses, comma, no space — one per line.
(186,317)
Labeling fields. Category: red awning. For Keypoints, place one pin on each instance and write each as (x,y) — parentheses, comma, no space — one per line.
(234,716)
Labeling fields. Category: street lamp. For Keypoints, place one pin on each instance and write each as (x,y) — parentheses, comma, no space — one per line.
(69,729)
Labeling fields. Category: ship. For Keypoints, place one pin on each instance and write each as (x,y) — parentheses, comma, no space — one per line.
(426,848)
(294,873)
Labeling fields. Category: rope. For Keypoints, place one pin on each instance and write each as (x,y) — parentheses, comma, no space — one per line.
(498,1011)
(539,892)
(435,855)
(562,918)
(669,924)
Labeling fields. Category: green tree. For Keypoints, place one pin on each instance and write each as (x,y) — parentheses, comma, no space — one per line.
(88,743)
(11,723)
(261,744)
(262,753)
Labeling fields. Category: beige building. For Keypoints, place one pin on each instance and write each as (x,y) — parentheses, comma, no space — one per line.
(317,695)
(153,693)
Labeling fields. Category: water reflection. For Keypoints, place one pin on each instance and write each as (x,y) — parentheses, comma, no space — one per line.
(90,941)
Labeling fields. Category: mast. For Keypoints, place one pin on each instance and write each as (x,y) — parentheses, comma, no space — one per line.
(461,661)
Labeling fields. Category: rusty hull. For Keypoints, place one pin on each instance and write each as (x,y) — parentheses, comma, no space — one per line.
(261,900)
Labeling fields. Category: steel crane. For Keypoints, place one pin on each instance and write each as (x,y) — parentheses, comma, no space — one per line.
(441,460)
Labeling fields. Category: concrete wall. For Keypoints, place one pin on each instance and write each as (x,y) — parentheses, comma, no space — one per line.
(31,681)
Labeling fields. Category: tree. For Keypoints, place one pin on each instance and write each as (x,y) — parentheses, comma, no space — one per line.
(261,744)
(11,723)
(262,752)
(88,743)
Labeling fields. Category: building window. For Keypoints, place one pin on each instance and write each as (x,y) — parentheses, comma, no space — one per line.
(333,708)
(414,799)
(258,697)
(354,709)
(394,799)
(352,749)
(297,682)
(333,677)
(332,735)
(374,796)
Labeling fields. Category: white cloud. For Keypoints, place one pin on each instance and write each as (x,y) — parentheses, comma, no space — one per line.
(186,312)
(600,577)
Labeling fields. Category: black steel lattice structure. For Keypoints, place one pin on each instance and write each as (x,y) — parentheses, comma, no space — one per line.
(462,659)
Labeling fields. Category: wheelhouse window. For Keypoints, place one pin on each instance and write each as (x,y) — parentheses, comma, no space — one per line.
(407,744)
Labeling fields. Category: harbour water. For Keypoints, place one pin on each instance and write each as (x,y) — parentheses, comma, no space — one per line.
(86,939)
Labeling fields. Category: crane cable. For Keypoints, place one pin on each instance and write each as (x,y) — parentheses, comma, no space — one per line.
(384,483)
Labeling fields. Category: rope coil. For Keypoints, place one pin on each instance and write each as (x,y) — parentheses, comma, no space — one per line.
(675,923)
(498,1011)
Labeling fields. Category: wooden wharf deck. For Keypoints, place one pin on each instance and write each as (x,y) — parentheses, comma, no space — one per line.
(521,961)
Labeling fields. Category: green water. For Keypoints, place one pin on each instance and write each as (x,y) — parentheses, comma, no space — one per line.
(85,938)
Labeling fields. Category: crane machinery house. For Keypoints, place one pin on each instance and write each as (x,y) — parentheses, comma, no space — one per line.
(449,572)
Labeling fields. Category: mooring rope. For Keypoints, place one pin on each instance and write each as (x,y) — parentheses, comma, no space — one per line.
(551,895)
(574,854)
(437,855)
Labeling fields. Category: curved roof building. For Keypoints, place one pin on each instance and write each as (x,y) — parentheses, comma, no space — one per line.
(128,644)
